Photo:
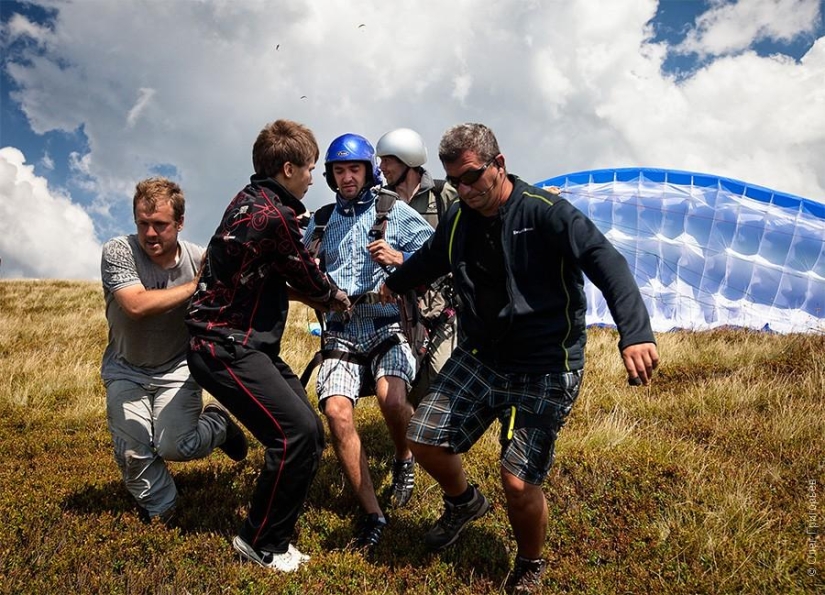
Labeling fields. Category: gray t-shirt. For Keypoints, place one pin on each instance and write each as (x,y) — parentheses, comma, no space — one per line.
(156,344)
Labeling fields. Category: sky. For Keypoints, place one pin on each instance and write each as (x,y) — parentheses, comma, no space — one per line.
(96,95)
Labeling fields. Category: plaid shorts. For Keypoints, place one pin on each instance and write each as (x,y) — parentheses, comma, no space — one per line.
(339,377)
(467,396)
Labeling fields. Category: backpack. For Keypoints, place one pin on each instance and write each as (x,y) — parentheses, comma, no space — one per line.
(412,324)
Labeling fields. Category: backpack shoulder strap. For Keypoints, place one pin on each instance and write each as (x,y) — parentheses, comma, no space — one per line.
(383,205)
(322,216)
(439,199)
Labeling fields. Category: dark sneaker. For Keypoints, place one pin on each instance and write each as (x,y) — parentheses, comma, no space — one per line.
(289,561)
(235,446)
(447,529)
(403,482)
(164,518)
(526,576)
(369,533)
(167,516)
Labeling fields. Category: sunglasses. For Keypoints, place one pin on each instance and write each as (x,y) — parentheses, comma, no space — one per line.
(471,176)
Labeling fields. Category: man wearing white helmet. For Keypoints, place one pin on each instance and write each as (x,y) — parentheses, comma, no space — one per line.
(403,156)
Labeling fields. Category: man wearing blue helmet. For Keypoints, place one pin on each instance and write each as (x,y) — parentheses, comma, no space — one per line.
(367,339)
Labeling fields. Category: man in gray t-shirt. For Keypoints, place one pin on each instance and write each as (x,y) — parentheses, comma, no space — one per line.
(153,405)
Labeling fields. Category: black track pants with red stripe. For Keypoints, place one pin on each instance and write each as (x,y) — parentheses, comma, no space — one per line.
(264,395)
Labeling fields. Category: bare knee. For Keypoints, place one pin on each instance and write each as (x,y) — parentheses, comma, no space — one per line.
(517,491)
(391,393)
(339,413)
(396,408)
(427,451)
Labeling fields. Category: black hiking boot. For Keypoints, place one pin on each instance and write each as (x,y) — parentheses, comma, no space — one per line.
(456,516)
(526,576)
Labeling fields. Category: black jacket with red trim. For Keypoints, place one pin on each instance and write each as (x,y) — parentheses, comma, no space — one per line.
(256,250)
(549,246)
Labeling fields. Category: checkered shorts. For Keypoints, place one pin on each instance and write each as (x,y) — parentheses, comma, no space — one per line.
(339,377)
(467,396)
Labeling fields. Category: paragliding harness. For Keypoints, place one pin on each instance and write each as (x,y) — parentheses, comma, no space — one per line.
(412,323)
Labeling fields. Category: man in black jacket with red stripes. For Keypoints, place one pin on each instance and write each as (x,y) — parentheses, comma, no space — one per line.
(518,255)
(256,262)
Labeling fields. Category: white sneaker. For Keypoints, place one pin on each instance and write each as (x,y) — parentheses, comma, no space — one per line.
(289,561)
(302,557)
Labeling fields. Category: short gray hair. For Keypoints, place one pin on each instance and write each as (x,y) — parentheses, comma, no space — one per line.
(468,137)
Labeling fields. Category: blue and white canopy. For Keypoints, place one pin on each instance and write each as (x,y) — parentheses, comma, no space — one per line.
(708,251)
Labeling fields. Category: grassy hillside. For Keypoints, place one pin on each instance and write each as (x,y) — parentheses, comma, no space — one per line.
(712,481)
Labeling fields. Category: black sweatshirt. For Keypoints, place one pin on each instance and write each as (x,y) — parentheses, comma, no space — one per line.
(255,251)
(548,246)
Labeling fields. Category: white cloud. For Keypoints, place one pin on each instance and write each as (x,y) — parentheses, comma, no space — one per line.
(145,96)
(47,162)
(19,26)
(733,27)
(566,86)
(42,233)
(462,85)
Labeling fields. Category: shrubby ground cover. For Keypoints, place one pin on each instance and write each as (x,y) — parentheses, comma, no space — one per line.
(711,481)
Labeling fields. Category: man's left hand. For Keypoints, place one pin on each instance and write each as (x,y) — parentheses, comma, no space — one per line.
(383,254)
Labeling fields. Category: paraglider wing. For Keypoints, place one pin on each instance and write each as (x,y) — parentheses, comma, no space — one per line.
(707,251)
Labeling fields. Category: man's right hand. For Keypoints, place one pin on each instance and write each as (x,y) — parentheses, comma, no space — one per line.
(386,295)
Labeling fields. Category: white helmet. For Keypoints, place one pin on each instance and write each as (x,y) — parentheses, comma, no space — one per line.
(404,144)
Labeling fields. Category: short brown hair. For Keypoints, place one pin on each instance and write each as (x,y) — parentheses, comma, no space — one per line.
(476,138)
(280,142)
(153,190)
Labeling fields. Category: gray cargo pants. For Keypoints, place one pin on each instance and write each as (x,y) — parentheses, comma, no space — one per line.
(157,421)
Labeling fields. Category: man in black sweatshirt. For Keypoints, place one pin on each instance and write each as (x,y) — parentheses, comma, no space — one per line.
(518,255)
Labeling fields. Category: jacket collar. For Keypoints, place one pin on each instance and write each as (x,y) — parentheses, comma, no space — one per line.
(515,194)
(357,205)
(284,195)
(426,184)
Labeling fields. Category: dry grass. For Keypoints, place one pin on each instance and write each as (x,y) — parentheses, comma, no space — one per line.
(709,482)
(51,338)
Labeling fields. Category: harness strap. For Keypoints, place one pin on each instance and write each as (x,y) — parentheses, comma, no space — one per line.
(370,297)
(325,354)
(383,205)
(360,359)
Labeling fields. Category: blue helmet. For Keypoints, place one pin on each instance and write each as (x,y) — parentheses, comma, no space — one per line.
(351,147)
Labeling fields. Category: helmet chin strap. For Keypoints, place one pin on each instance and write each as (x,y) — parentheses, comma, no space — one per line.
(403,176)
(347,206)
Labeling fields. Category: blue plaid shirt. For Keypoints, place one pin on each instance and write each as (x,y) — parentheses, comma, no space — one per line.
(344,248)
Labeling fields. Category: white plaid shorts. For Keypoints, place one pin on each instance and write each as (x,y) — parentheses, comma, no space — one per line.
(339,377)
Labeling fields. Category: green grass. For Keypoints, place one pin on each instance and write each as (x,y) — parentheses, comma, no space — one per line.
(712,481)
